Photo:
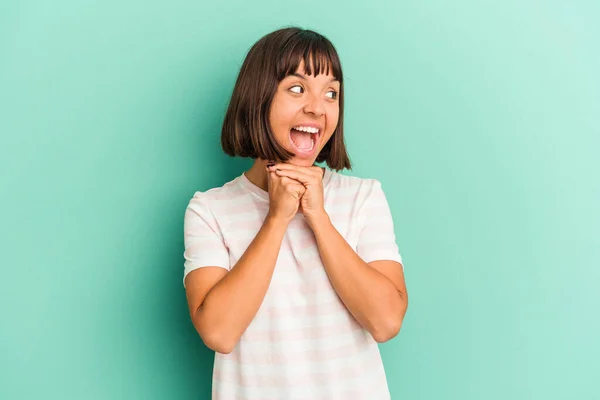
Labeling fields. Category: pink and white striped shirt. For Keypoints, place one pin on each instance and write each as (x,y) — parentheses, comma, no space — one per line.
(303,342)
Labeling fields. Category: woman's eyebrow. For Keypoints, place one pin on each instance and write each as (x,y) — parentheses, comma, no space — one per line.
(296,74)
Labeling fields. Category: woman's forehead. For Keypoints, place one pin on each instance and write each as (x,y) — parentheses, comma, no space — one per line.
(301,71)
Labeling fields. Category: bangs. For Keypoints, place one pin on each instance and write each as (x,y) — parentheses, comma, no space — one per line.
(317,53)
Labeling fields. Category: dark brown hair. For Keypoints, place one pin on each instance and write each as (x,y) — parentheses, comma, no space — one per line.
(246,131)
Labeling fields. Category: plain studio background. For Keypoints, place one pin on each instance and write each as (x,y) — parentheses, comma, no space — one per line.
(480,118)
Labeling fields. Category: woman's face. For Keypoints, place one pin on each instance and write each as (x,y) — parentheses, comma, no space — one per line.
(309,103)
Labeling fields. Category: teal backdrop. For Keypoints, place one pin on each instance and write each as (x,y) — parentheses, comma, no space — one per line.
(480,118)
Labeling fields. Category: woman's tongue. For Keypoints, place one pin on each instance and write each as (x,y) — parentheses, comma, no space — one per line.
(302,140)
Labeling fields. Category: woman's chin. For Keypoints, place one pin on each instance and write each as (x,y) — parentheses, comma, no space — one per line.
(302,162)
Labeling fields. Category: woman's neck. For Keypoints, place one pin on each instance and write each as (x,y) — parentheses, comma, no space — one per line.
(257,174)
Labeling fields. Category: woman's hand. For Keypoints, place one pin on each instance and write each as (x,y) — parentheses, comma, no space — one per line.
(311,178)
(284,196)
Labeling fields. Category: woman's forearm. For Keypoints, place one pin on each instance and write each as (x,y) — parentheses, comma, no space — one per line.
(232,303)
(369,295)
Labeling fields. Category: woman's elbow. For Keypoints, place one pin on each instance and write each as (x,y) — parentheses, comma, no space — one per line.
(393,322)
(213,338)
(388,333)
(218,344)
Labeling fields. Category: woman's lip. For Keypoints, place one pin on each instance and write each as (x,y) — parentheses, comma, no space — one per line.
(310,125)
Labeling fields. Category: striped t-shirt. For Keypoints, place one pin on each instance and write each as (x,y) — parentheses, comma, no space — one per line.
(303,342)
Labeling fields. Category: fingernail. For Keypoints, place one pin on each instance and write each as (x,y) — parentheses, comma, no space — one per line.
(270,164)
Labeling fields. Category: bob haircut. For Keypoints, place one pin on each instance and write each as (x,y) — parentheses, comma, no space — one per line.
(246,130)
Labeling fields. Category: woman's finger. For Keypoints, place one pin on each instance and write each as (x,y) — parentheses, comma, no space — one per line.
(301,177)
(316,171)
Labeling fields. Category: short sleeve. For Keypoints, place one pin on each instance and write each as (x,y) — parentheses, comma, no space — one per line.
(203,242)
(377,240)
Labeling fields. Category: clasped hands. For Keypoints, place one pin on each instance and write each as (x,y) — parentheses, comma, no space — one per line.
(311,202)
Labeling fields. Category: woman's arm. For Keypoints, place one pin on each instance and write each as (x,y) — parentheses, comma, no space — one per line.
(221,311)
(222,304)
(374,293)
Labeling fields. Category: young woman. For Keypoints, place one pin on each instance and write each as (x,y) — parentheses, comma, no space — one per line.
(292,272)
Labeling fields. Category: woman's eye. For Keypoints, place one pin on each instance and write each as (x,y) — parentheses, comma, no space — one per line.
(295,88)
(333,94)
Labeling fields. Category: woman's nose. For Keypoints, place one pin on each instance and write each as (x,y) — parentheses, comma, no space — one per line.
(315,105)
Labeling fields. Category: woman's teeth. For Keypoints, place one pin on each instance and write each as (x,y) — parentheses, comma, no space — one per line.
(306,129)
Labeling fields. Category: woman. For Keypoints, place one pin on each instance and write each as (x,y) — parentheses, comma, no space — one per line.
(292,272)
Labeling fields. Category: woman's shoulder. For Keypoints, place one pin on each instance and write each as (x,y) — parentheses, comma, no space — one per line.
(222,195)
(349,182)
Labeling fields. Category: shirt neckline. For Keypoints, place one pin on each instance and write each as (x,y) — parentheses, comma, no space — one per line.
(263,194)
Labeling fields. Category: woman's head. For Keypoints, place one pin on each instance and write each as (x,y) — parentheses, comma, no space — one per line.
(291,78)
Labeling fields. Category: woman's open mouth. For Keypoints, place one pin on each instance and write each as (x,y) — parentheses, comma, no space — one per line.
(305,139)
